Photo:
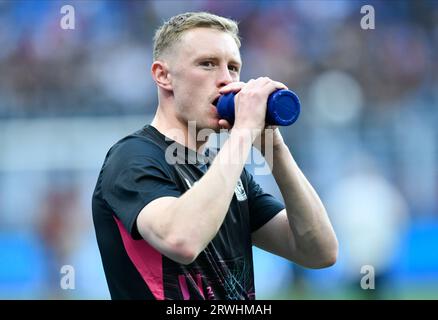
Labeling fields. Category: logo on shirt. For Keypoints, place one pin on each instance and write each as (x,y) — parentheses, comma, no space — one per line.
(239,191)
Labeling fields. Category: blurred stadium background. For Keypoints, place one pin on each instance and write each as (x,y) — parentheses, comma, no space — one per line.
(367,137)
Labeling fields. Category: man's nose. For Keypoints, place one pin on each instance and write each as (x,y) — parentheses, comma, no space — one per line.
(224,77)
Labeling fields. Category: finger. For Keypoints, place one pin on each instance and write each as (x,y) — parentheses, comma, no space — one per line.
(266,83)
(279,85)
(224,124)
(272,86)
(276,85)
(232,87)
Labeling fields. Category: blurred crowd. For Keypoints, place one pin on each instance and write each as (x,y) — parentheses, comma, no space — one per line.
(367,137)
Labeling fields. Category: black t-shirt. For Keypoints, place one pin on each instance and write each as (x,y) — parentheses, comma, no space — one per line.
(134,173)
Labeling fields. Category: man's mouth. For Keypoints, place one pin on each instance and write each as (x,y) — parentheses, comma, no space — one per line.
(215,101)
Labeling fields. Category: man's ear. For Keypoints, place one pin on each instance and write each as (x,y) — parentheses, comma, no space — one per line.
(161,75)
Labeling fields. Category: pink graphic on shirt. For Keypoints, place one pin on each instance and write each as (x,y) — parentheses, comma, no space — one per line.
(183,285)
(146,260)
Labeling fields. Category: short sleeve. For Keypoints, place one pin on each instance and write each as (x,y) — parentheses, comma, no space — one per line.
(131,181)
(262,206)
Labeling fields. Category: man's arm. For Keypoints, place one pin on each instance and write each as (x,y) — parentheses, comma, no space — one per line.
(181,228)
(302,232)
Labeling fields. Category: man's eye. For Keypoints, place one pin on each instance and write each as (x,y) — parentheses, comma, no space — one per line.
(208,64)
(233,68)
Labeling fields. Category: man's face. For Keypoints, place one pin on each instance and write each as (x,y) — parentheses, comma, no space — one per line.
(203,61)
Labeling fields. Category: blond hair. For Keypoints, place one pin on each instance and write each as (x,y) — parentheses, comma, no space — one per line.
(171,31)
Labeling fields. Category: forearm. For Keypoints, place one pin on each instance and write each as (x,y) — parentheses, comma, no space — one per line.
(313,238)
(199,213)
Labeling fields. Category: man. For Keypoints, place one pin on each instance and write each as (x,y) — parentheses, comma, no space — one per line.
(185,230)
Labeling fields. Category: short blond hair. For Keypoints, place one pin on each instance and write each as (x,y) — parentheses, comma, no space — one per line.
(171,31)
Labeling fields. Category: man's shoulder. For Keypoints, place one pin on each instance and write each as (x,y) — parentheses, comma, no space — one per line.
(135,145)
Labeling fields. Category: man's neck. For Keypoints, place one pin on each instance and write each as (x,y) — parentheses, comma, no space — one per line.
(178,131)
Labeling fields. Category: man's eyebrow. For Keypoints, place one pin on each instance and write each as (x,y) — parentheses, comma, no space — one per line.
(206,57)
(215,58)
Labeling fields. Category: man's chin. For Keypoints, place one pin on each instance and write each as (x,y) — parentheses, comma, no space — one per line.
(217,127)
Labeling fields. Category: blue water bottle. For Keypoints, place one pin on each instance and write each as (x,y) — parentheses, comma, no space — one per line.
(283,107)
